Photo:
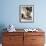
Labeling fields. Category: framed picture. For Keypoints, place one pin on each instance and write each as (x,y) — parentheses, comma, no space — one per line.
(26,13)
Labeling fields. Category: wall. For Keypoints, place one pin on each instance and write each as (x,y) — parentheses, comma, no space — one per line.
(9,13)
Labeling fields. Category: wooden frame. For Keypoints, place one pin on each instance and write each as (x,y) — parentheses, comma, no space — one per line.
(26,13)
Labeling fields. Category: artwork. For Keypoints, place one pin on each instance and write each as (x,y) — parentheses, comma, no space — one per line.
(26,13)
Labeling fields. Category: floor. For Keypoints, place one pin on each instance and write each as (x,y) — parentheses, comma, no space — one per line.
(0,44)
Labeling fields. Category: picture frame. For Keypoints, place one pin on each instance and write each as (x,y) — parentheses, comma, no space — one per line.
(26,13)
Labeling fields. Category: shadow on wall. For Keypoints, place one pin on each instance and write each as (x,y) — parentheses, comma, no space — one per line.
(2,26)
